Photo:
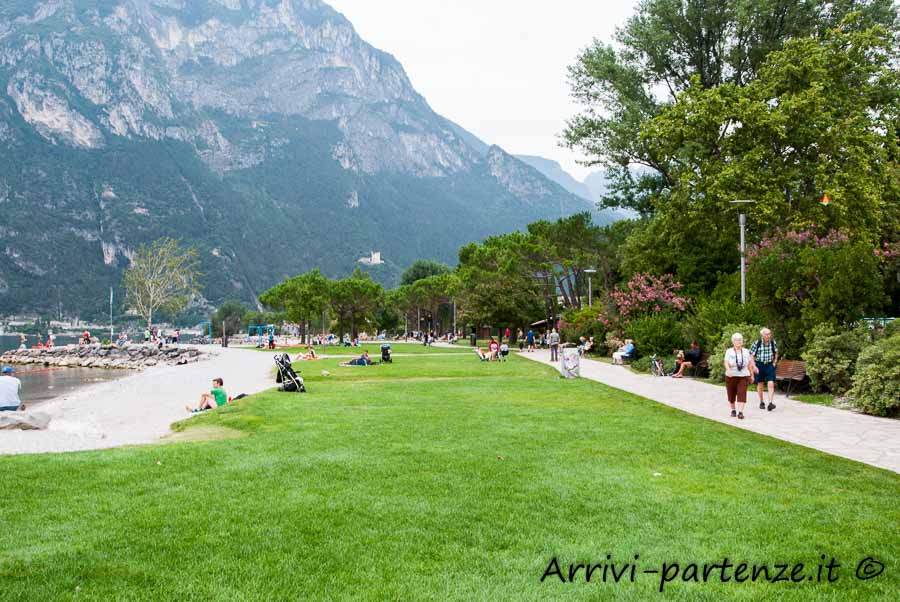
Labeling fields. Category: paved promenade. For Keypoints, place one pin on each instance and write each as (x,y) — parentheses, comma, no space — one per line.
(859,437)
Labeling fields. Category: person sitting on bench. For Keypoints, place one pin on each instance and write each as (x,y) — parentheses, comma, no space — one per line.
(687,359)
(624,352)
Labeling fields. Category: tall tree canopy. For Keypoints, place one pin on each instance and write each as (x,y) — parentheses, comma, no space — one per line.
(497,286)
(423,268)
(302,298)
(820,118)
(355,300)
(669,46)
(162,276)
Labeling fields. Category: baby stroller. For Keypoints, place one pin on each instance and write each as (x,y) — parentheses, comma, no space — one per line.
(386,354)
(290,381)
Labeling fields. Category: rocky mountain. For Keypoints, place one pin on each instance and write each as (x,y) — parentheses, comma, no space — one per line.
(266,133)
(555,172)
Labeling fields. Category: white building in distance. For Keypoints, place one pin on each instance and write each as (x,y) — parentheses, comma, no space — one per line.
(374,259)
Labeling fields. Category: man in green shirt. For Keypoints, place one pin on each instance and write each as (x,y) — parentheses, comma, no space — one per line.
(210,401)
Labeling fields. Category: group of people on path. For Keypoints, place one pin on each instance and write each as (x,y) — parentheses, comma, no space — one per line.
(759,363)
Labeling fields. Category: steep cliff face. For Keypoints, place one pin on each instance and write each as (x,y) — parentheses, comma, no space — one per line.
(254,129)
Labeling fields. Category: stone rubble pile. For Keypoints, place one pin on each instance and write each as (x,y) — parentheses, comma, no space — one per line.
(127,357)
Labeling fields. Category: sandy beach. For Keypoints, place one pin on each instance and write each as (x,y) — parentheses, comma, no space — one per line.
(140,408)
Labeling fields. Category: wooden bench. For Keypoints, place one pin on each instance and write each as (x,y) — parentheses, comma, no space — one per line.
(793,371)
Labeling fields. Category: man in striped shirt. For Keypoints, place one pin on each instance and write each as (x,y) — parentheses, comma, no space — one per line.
(765,356)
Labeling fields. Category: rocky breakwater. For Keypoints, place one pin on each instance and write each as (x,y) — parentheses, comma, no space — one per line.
(128,357)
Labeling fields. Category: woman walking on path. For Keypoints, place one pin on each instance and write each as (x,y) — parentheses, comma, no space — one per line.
(737,374)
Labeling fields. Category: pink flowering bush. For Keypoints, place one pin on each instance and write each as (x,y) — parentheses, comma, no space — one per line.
(645,294)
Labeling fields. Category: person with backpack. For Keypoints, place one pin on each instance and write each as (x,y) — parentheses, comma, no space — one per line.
(765,356)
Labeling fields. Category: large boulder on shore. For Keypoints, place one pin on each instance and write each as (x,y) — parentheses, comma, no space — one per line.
(24,421)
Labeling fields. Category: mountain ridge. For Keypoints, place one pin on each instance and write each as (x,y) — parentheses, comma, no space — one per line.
(266,133)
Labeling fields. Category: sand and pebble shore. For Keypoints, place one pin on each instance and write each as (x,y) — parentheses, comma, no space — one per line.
(139,408)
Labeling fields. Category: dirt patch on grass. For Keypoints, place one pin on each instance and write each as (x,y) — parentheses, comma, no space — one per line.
(202,433)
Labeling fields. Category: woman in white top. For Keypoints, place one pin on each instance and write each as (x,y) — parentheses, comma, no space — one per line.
(738,368)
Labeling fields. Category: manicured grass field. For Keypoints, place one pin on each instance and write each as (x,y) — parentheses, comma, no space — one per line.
(441,478)
(374,349)
(823,399)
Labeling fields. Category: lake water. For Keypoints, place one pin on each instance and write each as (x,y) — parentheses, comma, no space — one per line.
(9,341)
(40,383)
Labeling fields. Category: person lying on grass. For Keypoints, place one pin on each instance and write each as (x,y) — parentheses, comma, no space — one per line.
(481,355)
(210,401)
(362,360)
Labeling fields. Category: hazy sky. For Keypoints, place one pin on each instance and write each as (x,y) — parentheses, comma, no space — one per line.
(496,67)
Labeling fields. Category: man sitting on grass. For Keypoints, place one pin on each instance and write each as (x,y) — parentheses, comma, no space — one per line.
(209,401)
(9,391)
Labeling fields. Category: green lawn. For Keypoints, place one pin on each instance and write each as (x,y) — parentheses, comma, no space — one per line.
(439,478)
(822,399)
(374,349)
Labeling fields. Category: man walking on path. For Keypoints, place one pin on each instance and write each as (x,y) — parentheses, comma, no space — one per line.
(529,340)
(765,354)
(554,345)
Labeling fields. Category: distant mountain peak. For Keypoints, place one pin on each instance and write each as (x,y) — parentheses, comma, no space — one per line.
(252,128)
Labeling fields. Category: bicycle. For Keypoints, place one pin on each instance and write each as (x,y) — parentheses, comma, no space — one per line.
(656,366)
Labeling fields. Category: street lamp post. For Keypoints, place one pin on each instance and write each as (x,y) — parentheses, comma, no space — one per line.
(742,220)
(590,271)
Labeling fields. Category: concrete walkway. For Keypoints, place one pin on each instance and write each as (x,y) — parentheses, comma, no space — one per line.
(859,437)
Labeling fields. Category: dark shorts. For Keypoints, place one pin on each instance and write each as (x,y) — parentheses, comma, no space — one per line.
(766,373)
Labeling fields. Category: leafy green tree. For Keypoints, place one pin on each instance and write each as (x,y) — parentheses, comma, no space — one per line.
(669,46)
(355,300)
(557,253)
(800,280)
(389,315)
(433,293)
(262,318)
(820,118)
(229,318)
(162,276)
(303,298)
(423,268)
(497,287)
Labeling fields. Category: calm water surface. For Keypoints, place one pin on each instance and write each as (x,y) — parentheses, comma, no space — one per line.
(41,383)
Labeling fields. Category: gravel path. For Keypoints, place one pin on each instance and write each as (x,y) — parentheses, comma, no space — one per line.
(139,408)
(859,437)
